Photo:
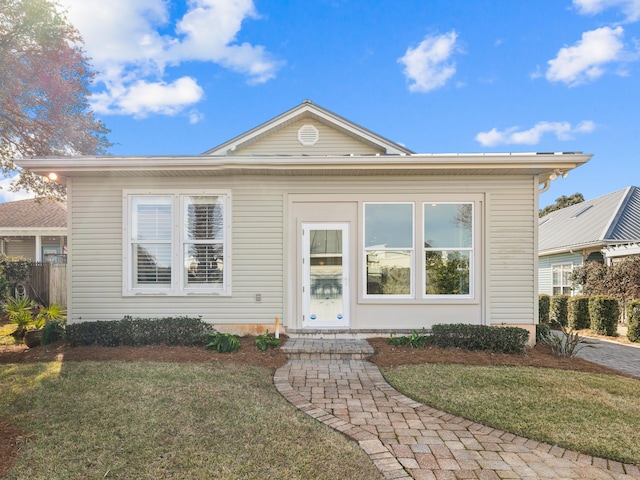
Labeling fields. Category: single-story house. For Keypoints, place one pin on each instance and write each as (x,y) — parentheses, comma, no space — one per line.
(310,218)
(34,229)
(604,229)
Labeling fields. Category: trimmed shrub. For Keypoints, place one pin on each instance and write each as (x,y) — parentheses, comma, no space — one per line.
(53,330)
(130,331)
(543,308)
(633,321)
(481,337)
(558,309)
(604,312)
(578,312)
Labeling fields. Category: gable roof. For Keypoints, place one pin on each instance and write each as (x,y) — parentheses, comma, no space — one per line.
(308,110)
(607,220)
(238,157)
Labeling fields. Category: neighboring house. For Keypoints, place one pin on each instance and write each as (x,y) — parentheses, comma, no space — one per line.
(604,229)
(310,218)
(35,229)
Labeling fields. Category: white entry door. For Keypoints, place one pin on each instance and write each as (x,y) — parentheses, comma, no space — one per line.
(325,275)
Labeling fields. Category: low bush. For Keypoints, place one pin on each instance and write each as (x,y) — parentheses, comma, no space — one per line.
(566,342)
(633,321)
(53,330)
(223,342)
(186,331)
(559,309)
(415,340)
(604,312)
(542,331)
(266,341)
(543,308)
(481,337)
(578,312)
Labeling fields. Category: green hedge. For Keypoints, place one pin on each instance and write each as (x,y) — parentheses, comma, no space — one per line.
(559,309)
(543,308)
(481,337)
(53,330)
(140,331)
(633,321)
(604,312)
(578,312)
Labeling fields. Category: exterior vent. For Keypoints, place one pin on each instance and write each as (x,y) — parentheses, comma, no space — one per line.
(582,210)
(308,135)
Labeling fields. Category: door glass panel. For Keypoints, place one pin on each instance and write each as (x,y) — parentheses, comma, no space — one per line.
(326,276)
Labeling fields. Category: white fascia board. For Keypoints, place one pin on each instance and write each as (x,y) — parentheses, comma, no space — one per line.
(524,163)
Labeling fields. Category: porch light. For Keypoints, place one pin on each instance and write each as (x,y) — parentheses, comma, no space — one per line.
(53,176)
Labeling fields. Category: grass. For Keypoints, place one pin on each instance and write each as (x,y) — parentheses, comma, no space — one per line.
(5,334)
(149,420)
(591,413)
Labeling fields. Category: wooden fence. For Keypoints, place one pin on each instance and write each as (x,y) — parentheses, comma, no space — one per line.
(48,283)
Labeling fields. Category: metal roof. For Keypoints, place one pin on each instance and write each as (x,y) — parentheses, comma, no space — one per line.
(607,220)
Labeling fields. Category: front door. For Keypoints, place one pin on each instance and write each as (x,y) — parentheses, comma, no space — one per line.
(325,275)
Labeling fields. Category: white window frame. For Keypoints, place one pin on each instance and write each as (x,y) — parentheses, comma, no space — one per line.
(562,267)
(366,250)
(177,286)
(471,251)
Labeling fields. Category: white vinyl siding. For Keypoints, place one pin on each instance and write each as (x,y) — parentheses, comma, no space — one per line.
(263,247)
(286,142)
(511,219)
(545,263)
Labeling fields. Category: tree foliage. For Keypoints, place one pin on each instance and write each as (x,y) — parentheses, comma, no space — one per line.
(562,202)
(44,89)
(621,280)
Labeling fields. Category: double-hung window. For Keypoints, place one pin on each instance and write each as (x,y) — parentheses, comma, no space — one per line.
(561,278)
(176,243)
(448,248)
(389,249)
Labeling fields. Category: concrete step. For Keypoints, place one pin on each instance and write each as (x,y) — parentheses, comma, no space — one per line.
(327,349)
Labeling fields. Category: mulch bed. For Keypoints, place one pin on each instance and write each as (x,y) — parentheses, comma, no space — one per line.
(386,356)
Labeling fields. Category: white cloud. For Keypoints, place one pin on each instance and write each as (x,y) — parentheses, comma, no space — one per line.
(428,66)
(8,196)
(143,98)
(516,136)
(630,8)
(585,60)
(133,43)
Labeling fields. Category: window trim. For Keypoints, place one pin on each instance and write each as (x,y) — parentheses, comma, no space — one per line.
(177,286)
(471,250)
(412,249)
(571,266)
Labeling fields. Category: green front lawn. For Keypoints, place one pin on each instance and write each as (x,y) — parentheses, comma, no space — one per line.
(591,413)
(147,420)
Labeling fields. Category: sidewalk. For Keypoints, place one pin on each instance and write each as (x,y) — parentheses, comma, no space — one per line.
(406,439)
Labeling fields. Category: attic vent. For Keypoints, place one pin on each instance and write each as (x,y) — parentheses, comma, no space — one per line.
(308,135)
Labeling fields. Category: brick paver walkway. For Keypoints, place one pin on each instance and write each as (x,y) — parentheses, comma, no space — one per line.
(406,439)
(621,357)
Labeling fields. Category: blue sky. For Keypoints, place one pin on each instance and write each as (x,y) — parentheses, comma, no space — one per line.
(438,76)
